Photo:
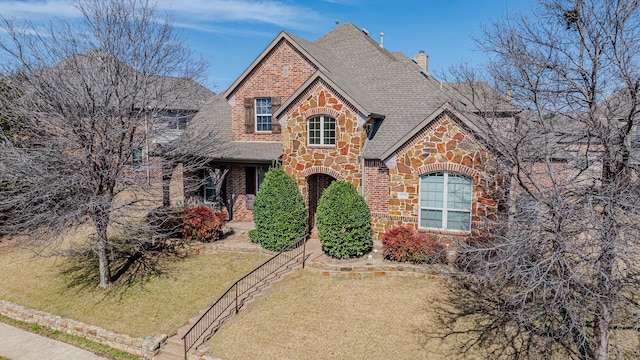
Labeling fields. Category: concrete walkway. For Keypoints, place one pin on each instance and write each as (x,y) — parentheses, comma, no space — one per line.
(18,344)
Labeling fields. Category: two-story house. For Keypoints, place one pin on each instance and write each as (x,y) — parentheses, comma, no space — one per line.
(344,108)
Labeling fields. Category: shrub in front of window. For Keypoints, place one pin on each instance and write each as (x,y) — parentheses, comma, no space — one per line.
(203,224)
(344,221)
(404,244)
(279,211)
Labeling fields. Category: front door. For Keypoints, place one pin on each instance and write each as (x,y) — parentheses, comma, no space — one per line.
(316,184)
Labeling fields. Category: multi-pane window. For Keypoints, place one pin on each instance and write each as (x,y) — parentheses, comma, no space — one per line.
(322,130)
(445,201)
(263,114)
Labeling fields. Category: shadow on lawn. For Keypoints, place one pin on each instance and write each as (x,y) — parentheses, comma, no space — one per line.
(132,263)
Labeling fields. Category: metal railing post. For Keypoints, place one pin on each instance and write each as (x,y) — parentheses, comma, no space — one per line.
(236,298)
(304,251)
(185,348)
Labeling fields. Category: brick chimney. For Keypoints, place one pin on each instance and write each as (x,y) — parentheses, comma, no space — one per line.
(422,60)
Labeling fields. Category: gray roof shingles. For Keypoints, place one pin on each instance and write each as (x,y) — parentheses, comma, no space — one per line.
(383,83)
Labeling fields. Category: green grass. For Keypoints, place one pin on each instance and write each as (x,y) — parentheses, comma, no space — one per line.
(310,316)
(92,346)
(156,304)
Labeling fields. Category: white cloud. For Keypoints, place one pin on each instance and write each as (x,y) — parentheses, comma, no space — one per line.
(38,9)
(263,11)
(191,14)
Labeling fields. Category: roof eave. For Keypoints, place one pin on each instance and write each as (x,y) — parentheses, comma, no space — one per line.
(444,107)
(321,75)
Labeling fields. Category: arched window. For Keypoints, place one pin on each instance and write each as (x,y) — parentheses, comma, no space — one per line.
(445,201)
(322,130)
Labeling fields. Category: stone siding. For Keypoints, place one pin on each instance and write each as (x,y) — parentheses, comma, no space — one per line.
(146,348)
(443,145)
(341,160)
(283,70)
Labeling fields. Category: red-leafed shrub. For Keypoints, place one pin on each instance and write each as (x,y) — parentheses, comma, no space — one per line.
(203,224)
(406,245)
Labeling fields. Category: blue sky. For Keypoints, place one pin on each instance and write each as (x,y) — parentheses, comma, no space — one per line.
(232,33)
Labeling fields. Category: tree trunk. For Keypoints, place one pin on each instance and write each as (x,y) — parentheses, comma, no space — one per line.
(167,172)
(601,333)
(103,256)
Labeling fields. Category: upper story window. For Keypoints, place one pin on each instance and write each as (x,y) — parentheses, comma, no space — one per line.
(445,201)
(263,114)
(322,130)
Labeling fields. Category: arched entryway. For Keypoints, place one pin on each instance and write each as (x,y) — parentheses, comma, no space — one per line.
(316,183)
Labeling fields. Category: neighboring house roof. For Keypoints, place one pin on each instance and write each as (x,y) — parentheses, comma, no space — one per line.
(106,74)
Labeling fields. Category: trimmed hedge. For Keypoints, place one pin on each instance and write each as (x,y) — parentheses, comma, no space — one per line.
(344,221)
(279,212)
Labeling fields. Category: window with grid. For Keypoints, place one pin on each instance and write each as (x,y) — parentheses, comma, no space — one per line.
(263,114)
(322,130)
(445,201)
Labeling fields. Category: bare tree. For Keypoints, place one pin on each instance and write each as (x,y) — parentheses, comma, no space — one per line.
(559,278)
(88,92)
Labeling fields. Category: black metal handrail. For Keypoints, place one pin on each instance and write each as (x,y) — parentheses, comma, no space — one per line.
(241,287)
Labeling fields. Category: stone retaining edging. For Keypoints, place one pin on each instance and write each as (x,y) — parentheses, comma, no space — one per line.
(368,270)
(147,347)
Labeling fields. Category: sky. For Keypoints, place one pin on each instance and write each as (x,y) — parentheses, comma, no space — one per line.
(230,34)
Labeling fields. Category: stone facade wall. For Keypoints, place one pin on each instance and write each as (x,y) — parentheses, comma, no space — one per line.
(280,73)
(444,145)
(146,348)
(341,161)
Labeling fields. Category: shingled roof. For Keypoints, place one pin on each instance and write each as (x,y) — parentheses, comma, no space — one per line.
(379,83)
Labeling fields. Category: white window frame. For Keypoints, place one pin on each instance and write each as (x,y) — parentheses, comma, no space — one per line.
(445,210)
(263,114)
(323,140)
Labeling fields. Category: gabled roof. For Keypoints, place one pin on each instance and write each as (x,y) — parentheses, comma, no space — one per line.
(378,83)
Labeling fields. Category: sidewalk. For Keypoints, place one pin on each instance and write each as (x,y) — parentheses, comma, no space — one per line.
(18,344)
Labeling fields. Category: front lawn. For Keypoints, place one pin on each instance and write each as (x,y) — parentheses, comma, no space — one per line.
(310,316)
(159,303)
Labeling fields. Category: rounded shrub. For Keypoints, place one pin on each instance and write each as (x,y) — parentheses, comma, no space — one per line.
(278,211)
(344,221)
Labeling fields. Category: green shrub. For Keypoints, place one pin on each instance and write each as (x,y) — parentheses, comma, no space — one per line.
(344,221)
(278,211)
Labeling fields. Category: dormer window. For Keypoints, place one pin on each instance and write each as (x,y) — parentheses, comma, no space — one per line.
(263,114)
(322,130)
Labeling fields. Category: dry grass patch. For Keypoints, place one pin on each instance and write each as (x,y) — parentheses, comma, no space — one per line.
(309,316)
(159,303)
